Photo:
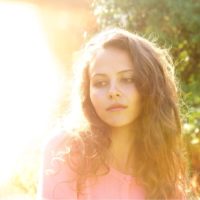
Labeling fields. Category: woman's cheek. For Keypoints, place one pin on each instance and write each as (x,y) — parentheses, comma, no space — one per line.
(129,88)
(96,97)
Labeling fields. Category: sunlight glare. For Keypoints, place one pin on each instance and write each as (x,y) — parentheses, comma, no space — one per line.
(30,82)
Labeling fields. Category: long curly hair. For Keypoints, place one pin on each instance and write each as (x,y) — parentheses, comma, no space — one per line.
(160,162)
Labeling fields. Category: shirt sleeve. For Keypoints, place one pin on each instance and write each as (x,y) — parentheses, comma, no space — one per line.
(56,179)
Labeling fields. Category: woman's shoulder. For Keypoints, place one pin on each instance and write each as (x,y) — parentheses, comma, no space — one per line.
(56,149)
(62,143)
(56,141)
(56,173)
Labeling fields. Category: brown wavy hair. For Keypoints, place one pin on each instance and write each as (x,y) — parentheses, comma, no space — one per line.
(160,165)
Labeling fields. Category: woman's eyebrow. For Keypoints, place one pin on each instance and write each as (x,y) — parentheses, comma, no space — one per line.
(97,74)
(124,71)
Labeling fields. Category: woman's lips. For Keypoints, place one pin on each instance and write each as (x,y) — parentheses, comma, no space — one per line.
(117,107)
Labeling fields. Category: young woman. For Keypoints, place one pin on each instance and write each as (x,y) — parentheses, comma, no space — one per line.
(126,139)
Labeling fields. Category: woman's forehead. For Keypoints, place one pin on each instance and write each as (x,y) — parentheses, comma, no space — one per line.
(110,60)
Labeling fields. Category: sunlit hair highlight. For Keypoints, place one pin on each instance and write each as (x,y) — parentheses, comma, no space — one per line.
(158,149)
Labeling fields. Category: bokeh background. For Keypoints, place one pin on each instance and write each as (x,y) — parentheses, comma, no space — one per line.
(39,40)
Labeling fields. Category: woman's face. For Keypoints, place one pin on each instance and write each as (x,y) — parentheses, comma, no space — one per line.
(112,87)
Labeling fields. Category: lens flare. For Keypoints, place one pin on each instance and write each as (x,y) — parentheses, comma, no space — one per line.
(30,81)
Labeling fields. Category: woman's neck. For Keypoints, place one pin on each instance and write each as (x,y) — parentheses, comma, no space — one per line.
(121,149)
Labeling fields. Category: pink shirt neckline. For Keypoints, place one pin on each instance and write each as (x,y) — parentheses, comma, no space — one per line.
(121,175)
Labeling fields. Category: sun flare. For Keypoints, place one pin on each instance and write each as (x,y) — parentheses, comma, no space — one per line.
(30,82)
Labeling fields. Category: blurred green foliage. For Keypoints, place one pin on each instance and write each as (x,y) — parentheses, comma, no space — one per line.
(27,171)
(176,25)
(24,180)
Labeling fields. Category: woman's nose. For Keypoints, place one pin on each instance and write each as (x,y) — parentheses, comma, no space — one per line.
(114,92)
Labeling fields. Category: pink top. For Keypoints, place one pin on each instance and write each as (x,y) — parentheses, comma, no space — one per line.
(59,185)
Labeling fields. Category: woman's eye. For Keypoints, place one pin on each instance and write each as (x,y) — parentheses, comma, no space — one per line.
(100,83)
(128,80)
